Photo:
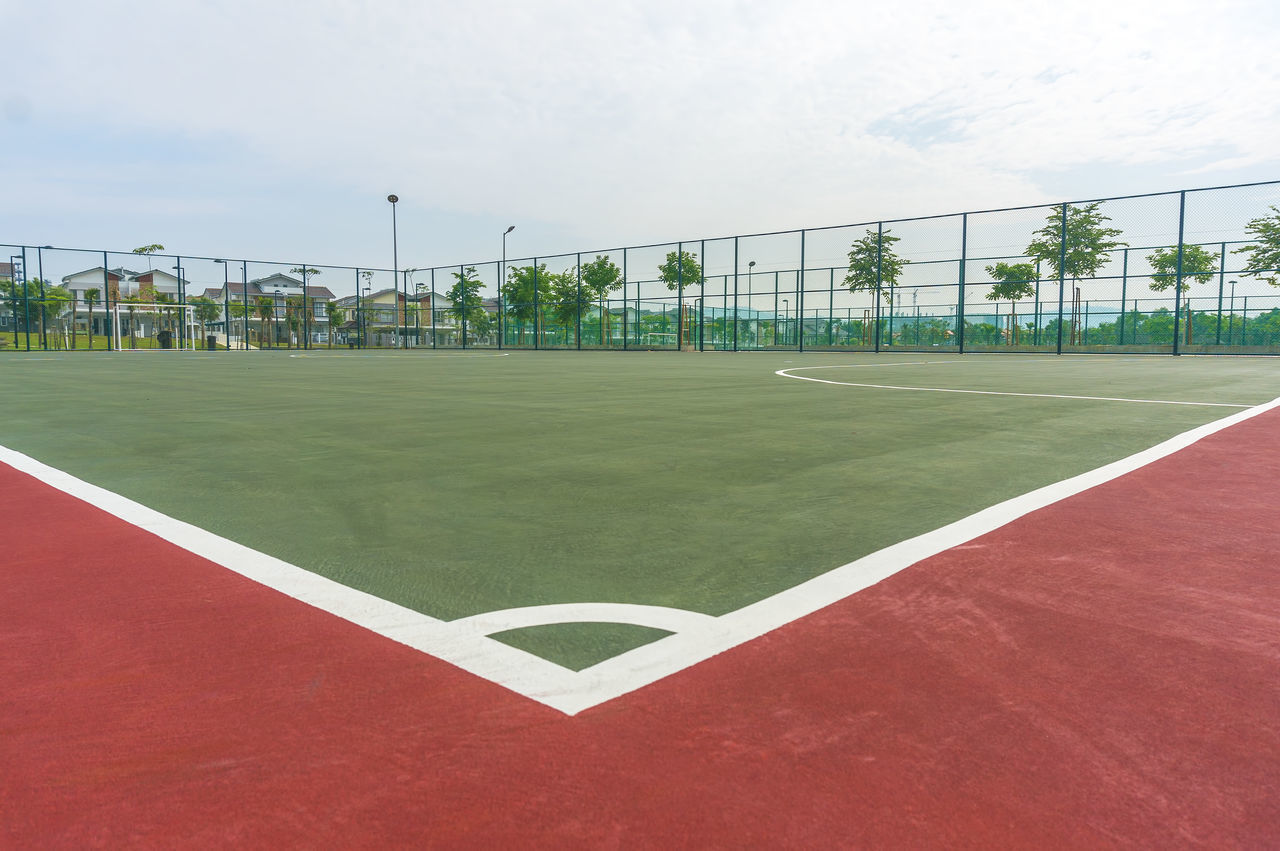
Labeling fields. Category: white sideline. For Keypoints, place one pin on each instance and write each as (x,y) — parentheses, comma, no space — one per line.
(696,637)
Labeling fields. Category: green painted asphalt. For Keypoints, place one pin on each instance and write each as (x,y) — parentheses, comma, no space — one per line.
(463,482)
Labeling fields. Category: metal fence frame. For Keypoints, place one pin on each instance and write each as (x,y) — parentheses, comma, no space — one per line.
(715,319)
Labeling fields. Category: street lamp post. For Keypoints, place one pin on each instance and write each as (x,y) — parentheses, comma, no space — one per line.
(395,253)
(502,279)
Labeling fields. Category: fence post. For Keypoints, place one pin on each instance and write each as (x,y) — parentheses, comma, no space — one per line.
(306,311)
(1124,284)
(964,261)
(735,294)
(679,296)
(26,299)
(625,340)
(879,280)
(1222,274)
(577,331)
(1062,272)
(106,299)
(1177,282)
(800,298)
(537,311)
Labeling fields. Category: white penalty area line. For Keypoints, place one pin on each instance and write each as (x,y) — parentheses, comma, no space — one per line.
(786,373)
(694,637)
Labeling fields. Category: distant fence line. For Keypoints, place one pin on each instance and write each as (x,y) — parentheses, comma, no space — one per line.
(1014,279)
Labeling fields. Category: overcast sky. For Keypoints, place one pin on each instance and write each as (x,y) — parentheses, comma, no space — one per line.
(271,129)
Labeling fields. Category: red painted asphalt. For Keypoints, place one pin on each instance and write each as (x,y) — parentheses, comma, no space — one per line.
(1102,672)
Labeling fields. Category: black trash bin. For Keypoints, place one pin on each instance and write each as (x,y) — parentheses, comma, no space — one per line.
(211,342)
(165,339)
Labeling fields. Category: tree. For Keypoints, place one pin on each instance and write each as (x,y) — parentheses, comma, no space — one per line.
(206,310)
(266,310)
(91,297)
(1013,281)
(52,303)
(294,307)
(599,278)
(679,270)
(1088,241)
(1196,263)
(1264,256)
(519,294)
(334,313)
(148,250)
(566,301)
(362,319)
(873,265)
(464,297)
(239,310)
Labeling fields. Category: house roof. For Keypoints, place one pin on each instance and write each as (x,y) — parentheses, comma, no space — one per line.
(119,273)
(253,289)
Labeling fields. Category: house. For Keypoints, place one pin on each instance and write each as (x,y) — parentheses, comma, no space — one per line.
(275,314)
(121,286)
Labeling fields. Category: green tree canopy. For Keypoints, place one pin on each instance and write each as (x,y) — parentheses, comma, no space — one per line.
(206,309)
(1197,264)
(1088,241)
(873,265)
(680,269)
(464,295)
(1012,281)
(1263,256)
(600,277)
(565,298)
(518,291)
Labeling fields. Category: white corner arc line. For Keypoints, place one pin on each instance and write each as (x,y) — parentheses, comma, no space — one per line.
(656,617)
(786,373)
(700,637)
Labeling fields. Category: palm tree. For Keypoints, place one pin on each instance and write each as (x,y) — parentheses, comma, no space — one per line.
(335,317)
(91,298)
(266,311)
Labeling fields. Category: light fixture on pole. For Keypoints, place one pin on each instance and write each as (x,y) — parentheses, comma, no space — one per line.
(395,255)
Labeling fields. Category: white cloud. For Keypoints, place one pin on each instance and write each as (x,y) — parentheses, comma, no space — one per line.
(643,120)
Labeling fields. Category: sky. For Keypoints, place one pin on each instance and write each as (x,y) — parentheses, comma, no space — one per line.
(275,129)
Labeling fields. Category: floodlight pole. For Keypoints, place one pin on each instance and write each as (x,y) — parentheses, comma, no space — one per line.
(395,255)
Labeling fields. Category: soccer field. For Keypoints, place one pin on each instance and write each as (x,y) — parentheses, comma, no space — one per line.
(457,484)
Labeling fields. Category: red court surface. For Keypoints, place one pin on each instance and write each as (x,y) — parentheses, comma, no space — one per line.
(1103,672)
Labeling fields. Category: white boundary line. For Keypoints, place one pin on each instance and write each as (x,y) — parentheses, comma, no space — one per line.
(786,373)
(696,637)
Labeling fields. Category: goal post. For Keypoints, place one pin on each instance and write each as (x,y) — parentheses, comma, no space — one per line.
(154,326)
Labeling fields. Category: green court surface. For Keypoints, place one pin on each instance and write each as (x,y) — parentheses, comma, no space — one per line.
(457,483)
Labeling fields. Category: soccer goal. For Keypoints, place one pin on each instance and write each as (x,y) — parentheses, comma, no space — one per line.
(154,326)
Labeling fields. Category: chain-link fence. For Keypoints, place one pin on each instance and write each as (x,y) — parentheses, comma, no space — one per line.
(1192,271)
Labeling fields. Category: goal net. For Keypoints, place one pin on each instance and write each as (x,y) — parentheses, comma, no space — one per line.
(151,326)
